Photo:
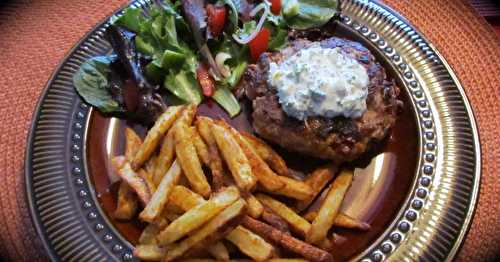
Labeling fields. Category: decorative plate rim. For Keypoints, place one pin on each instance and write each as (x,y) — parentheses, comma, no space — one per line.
(384,247)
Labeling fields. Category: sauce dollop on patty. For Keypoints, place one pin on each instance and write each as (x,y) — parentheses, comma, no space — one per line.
(319,81)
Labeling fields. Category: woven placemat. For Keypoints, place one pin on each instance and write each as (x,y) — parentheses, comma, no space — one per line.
(35,36)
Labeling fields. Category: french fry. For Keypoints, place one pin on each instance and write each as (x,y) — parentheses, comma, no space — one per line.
(148,179)
(201,147)
(235,158)
(309,252)
(254,207)
(124,170)
(203,127)
(211,232)
(165,157)
(265,176)
(310,216)
(219,251)
(149,252)
(167,150)
(189,161)
(293,189)
(298,224)
(250,244)
(126,206)
(272,158)
(148,235)
(132,143)
(198,215)
(154,208)
(185,198)
(341,220)
(330,207)
(317,181)
(274,220)
(154,135)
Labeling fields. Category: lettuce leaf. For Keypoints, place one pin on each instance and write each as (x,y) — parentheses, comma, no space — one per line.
(91,83)
(304,14)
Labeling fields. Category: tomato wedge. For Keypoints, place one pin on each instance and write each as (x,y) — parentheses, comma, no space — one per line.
(259,44)
(216,18)
(275,6)
(206,81)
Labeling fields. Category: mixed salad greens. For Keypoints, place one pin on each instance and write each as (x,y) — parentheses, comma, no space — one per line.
(183,51)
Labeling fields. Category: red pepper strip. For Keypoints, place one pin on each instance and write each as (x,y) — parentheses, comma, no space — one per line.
(206,81)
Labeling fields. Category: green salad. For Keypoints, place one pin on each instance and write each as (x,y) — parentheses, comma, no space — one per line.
(178,52)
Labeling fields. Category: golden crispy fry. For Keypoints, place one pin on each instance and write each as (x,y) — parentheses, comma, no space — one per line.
(126,206)
(201,147)
(309,252)
(274,220)
(148,235)
(198,215)
(311,215)
(341,220)
(317,181)
(154,135)
(266,177)
(254,207)
(167,150)
(250,244)
(330,207)
(235,158)
(293,189)
(124,170)
(189,161)
(219,251)
(184,198)
(147,177)
(272,158)
(165,157)
(154,208)
(298,224)
(211,232)
(215,165)
(149,252)
(132,143)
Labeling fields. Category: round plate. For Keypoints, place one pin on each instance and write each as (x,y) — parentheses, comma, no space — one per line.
(429,226)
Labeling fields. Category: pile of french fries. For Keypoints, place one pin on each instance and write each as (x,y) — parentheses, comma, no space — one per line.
(206,189)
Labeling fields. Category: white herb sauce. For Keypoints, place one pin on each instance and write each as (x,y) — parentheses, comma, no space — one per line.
(320,81)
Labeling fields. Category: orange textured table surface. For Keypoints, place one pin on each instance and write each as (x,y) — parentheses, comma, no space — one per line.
(35,36)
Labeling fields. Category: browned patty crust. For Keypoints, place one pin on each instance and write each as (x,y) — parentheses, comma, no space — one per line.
(340,139)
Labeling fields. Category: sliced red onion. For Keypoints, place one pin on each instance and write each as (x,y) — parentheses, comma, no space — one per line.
(262,6)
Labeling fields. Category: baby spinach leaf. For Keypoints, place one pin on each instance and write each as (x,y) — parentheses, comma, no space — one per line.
(91,83)
(304,14)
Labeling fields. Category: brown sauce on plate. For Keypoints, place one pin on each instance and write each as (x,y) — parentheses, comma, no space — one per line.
(105,139)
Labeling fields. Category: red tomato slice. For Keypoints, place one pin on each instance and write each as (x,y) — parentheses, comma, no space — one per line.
(275,6)
(216,18)
(259,44)
(206,81)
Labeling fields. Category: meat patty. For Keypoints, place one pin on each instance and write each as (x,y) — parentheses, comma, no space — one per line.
(339,138)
